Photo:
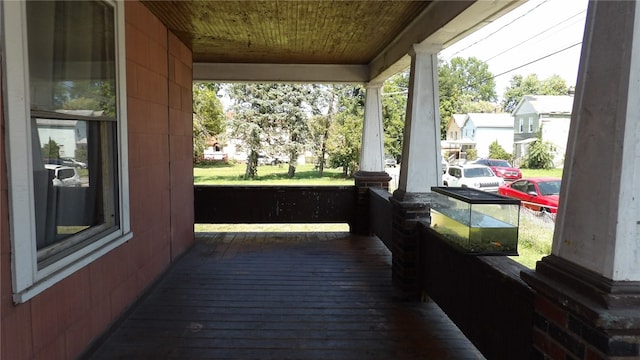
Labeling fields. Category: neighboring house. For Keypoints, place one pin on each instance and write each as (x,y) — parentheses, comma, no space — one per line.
(453,145)
(485,128)
(549,113)
(454,127)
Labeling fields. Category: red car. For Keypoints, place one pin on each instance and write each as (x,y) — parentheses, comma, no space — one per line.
(501,168)
(540,194)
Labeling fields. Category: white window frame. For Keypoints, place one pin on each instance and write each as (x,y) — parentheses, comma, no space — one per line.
(28,280)
(521,125)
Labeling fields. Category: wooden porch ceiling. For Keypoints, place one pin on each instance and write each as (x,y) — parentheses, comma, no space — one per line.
(367,37)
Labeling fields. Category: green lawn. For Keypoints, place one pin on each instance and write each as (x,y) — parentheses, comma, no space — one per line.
(527,173)
(535,234)
(233,174)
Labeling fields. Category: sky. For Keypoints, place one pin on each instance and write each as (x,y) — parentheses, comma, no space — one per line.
(542,37)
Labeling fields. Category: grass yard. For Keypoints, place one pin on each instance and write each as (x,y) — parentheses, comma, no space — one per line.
(233,174)
(528,173)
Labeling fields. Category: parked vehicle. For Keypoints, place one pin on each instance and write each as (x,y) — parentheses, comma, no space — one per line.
(390,161)
(215,155)
(539,194)
(473,176)
(501,168)
(64,175)
(74,163)
(272,160)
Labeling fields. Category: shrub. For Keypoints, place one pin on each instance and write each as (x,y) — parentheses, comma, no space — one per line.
(498,152)
(539,155)
(472,154)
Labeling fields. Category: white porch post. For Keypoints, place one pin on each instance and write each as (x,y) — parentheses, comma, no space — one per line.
(592,277)
(598,225)
(372,152)
(371,173)
(420,168)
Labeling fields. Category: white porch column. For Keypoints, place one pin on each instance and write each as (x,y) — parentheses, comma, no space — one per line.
(372,152)
(598,226)
(420,168)
(592,277)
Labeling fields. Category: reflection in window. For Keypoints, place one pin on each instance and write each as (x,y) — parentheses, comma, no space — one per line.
(73,123)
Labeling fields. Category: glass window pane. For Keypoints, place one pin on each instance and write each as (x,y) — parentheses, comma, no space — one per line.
(72,193)
(72,56)
(73,112)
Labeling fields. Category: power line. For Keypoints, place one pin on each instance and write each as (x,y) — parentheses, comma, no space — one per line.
(538,59)
(534,36)
(500,28)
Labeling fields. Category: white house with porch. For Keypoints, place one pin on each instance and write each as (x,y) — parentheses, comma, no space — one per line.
(485,128)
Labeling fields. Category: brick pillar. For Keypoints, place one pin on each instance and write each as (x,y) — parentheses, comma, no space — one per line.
(365,180)
(407,210)
(581,315)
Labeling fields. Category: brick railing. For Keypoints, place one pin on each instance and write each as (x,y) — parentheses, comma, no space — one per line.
(483,295)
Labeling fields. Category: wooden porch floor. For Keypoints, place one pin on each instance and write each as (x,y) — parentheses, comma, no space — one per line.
(283,296)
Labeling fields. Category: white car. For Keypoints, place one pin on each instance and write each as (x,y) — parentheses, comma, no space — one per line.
(473,176)
(64,175)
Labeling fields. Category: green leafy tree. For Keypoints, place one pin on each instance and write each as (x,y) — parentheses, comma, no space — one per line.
(322,101)
(477,107)
(319,126)
(520,86)
(270,118)
(208,117)
(345,138)
(461,82)
(294,99)
(86,95)
(51,150)
(498,152)
(208,108)
(394,107)
(252,117)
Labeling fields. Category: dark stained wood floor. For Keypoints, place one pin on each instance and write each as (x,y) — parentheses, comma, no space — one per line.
(283,296)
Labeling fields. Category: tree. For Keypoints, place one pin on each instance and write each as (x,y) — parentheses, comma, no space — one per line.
(293,100)
(208,107)
(270,118)
(345,137)
(96,95)
(477,107)
(498,152)
(208,116)
(394,106)
(322,100)
(531,85)
(51,150)
(461,82)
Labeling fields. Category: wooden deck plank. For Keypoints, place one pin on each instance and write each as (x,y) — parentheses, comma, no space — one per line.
(283,296)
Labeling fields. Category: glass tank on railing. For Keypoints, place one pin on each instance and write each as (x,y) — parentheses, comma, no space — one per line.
(475,221)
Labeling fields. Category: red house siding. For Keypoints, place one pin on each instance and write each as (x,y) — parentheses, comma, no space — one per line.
(62,321)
